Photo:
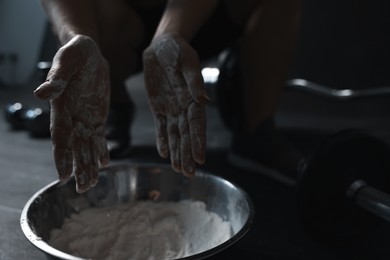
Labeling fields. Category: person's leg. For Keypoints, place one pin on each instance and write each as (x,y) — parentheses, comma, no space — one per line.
(264,55)
(122,34)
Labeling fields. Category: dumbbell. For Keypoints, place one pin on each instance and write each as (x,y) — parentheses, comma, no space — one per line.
(14,115)
(342,190)
(35,120)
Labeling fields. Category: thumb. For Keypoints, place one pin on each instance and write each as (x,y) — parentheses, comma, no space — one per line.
(61,72)
(50,89)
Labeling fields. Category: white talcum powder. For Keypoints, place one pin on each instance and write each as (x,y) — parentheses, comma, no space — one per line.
(141,230)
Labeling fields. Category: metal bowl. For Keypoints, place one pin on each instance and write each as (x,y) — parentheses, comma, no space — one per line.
(124,183)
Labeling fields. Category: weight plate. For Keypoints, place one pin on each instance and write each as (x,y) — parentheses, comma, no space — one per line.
(324,210)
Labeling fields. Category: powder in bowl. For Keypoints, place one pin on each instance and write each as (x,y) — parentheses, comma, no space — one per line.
(141,230)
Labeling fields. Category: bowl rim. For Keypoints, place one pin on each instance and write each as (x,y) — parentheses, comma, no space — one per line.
(30,234)
(47,249)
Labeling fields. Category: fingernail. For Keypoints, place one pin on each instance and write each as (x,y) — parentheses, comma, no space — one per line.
(82,189)
(206,96)
(163,151)
(105,160)
(63,177)
(64,169)
(190,171)
(41,93)
(202,99)
(176,167)
(93,182)
(190,174)
(38,90)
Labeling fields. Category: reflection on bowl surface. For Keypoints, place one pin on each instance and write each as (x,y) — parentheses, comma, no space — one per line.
(169,207)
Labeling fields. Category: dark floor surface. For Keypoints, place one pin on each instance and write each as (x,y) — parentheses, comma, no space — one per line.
(26,166)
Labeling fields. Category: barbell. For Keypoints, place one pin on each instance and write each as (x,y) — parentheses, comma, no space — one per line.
(342,190)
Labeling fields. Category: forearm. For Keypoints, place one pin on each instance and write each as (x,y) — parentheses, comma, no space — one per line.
(71,17)
(185,17)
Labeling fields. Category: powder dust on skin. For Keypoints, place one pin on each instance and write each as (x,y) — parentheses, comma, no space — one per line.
(177,98)
(141,230)
(78,88)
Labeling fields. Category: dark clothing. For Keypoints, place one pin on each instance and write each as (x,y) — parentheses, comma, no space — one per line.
(218,33)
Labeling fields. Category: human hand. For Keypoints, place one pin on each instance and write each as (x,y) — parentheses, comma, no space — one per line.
(177,98)
(78,88)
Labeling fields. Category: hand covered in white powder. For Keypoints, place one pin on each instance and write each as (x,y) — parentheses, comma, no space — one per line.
(177,98)
(78,88)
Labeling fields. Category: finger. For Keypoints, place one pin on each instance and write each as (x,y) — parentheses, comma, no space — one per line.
(81,168)
(82,157)
(101,144)
(154,81)
(174,143)
(187,161)
(162,136)
(191,71)
(197,121)
(50,89)
(61,72)
(63,156)
(61,135)
(95,151)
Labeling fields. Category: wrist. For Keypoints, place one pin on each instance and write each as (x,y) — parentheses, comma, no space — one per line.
(82,45)
(66,35)
(185,17)
(159,36)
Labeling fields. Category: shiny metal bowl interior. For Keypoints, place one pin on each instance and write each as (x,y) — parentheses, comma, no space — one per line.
(123,183)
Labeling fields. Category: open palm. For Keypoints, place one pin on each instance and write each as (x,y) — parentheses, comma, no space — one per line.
(177,98)
(78,89)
